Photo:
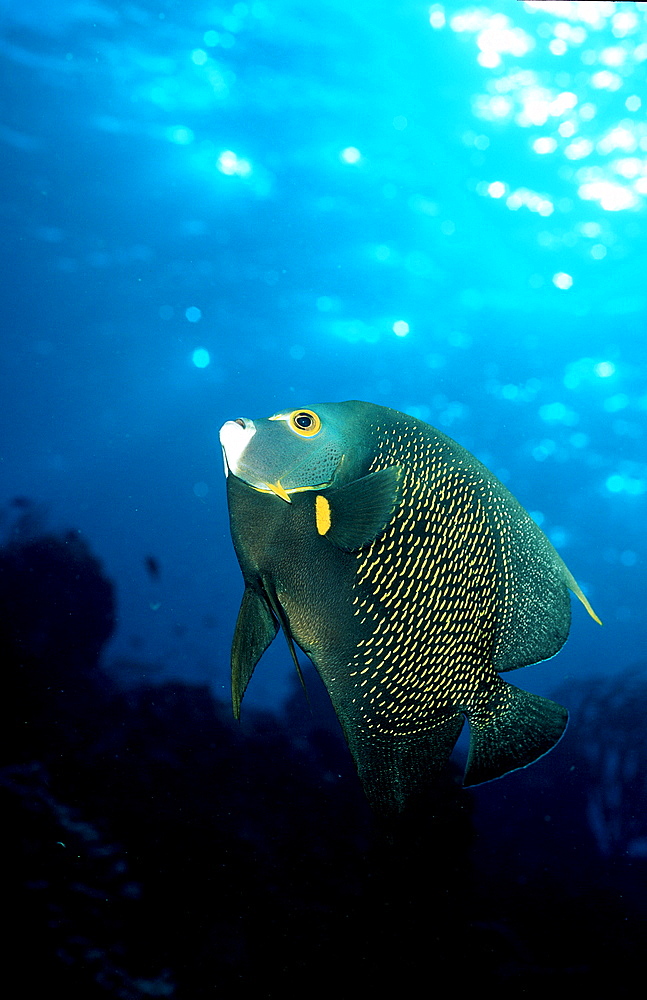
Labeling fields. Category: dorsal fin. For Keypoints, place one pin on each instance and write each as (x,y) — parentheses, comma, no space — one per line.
(579,593)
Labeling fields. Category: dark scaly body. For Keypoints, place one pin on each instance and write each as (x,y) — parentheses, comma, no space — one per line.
(411,630)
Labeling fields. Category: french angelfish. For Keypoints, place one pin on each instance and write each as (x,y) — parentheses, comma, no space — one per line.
(409,575)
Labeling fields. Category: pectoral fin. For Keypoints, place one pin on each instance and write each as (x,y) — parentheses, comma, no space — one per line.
(255,629)
(354,515)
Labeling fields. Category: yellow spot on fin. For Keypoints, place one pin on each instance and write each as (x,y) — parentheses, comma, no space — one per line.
(322,514)
(361,510)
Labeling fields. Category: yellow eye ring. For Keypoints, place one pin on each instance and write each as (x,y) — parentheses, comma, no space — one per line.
(305,423)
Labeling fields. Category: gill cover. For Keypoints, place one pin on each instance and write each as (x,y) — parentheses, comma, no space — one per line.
(292,451)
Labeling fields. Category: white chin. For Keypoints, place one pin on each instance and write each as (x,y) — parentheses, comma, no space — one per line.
(234,439)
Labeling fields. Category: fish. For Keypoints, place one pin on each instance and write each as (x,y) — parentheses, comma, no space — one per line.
(412,579)
(152,566)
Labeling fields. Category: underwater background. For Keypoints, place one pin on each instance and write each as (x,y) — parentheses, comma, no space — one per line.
(221,210)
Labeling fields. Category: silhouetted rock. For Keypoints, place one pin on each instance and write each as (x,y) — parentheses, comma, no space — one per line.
(57,604)
(155,847)
(57,612)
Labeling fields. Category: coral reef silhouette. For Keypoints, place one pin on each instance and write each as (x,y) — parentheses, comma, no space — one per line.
(155,848)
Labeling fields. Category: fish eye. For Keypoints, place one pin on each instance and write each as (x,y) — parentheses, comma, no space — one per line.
(305,422)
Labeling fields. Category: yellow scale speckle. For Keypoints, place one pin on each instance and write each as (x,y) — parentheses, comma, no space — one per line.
(435,567)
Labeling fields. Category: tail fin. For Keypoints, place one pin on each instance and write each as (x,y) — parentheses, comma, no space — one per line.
(394,769)
(512,731)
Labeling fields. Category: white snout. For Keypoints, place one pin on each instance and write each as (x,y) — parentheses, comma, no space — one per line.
(234,438)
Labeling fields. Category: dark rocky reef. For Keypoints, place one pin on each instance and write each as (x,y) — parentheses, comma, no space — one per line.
(155,848)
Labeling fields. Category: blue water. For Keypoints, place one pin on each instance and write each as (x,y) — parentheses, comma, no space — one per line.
(212,211)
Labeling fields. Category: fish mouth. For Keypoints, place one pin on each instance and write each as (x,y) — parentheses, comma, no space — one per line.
(258,466)
(235,435)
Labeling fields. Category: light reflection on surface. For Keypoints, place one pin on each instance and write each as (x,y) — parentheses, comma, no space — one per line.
(350,155)
(520,96)
(376,203)
(231,165)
